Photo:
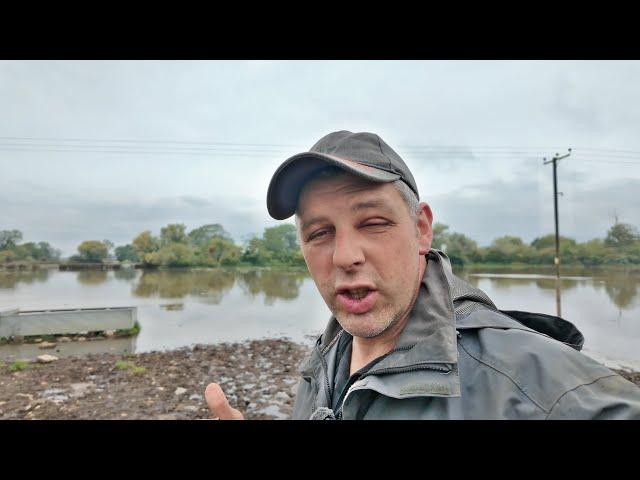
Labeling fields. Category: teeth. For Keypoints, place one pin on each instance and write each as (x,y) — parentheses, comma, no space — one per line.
(358,293)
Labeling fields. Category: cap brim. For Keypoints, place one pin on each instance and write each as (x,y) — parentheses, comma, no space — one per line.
(288,180)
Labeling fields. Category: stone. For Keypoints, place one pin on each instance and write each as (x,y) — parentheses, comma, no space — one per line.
(52,391)
(167,416)
(64,339)
(180,391)
(81,339)
(109,333)
(28,396)
(47,358)
(37,340)
(79,390)
(187,408)
(195,396)
(281,396)
(44,345)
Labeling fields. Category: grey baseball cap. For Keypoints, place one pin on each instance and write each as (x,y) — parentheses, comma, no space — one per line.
(363,154)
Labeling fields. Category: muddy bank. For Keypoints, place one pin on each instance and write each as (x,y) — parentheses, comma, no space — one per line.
(259,378)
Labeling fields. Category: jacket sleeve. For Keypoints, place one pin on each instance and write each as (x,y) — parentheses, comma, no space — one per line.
(607,398)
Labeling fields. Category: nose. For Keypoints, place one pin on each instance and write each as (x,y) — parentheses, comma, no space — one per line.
(347,251)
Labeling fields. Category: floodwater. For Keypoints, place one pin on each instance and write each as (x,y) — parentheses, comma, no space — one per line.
(181,307)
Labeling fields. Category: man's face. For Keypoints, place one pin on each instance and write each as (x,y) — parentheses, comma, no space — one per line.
(363,250)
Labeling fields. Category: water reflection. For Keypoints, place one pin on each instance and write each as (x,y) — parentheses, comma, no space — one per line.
(126,274)
(622,290)
(92,277)
(9,279)
(211,285)
(505,283)
(274,284)
(621,287)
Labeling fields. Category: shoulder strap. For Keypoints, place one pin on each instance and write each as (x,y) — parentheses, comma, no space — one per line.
(555,327)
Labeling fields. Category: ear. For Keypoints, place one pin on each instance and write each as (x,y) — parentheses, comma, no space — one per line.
(425,232)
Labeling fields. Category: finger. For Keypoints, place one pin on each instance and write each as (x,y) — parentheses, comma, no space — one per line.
(219,405)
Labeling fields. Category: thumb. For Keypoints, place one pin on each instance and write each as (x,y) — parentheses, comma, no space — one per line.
(219,405)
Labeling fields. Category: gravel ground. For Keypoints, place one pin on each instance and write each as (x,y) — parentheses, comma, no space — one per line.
(259,378)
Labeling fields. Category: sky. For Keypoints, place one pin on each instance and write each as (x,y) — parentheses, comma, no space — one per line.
(108,149)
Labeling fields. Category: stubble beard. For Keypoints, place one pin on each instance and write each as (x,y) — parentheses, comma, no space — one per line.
(369,329)
(374,329)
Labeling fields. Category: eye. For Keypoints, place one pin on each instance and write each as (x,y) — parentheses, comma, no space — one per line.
(377,223)
(317,234)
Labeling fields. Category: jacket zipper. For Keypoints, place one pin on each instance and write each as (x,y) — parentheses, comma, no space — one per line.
(327,385)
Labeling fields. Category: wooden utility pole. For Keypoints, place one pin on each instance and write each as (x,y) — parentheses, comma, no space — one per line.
(556,158)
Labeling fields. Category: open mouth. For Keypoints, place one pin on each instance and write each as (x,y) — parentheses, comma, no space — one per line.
(357,293)
(357,300)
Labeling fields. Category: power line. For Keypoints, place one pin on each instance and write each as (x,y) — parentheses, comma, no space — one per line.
(446,148)
(158,152)
(45,147)
(48,139)
(608,161)
(241,150)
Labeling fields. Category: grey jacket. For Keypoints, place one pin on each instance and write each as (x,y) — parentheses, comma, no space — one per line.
(459,357)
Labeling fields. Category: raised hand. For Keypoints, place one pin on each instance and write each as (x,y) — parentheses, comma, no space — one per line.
(219,405)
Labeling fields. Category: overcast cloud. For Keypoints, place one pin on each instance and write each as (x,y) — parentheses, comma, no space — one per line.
(529,109)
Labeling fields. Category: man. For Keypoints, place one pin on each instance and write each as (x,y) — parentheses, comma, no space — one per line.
(408,339)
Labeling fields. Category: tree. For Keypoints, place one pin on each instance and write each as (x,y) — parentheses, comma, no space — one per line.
(47,252)
(7,256)
(176,255)
(173,233)
(281,241)
(255,252)
(27,251)
(126,253)
(203,235)
(590,253)
(507,249)
(109,244)
(548,241)
(223,252)
(621,235)
(461,249)
(9,238)
(146,247)
(92,251)
(439,235)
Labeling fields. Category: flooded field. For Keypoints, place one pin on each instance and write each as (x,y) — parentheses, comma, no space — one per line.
(179,308)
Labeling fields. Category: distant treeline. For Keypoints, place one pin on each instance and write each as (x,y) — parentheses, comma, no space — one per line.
(207,246)
(621,246)
(212,246)
(11,250)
